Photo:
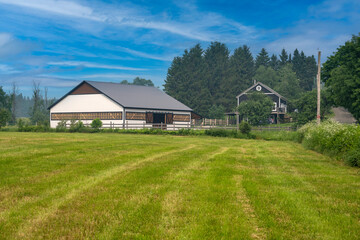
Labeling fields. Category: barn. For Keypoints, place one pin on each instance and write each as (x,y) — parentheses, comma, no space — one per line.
(121,106)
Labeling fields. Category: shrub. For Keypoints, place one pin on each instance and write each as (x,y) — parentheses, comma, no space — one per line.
(61,126)
(96,123)
(352,158)
(76,126)
(333,138)
(245,127)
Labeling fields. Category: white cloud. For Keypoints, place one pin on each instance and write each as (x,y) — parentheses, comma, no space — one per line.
(94,65)
(67,8)
(5,69)
(135,17)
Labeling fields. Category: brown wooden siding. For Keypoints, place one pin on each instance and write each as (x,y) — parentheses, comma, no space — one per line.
(85,89)
(136,116)
(87,116)
(181,118)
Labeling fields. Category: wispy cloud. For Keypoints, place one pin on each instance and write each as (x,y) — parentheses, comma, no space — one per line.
(5,69)
(94,65)
(135,18)
(67,8)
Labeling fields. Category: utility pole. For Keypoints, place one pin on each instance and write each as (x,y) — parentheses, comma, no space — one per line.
(318,89)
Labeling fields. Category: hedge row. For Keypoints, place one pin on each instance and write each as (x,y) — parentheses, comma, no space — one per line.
(334,139)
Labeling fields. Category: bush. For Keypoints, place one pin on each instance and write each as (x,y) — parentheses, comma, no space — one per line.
(76,126)
(61,126)
(245,127)
(96,123)
(352,158)
(333,138)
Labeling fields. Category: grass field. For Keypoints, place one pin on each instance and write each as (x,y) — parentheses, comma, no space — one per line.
(117,186)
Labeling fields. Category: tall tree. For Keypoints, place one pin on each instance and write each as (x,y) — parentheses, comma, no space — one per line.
(216,72)
(274,62)
(284,57)
(5,114)
(341,74)
(241,73)
(13,100)
(38,111)
(262,58)
(289,84)
(185,81)
(305,69)
(267,75)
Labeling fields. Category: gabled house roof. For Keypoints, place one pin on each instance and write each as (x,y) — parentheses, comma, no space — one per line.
(134,96)
(264,86)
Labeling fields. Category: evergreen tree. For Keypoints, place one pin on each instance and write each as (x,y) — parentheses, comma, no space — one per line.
(284,57)
(305,69)
(217,72)
(274,62)
(262,58)
(185,81)
(241,73)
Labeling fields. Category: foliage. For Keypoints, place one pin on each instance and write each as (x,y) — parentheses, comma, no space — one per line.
(39,114)
(306,107)
(5,116)
(76,126)
(139,81)
(352,157)
(96,123)
(305,69)
(203,78)
(244,127)
(341,74)
(257,109)
(262,59)
(332,138)
(216,112)
(220,132)
(61,126)
(278,135)
(267,76)
(288,84)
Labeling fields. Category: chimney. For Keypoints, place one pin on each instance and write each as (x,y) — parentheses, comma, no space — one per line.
(254,81)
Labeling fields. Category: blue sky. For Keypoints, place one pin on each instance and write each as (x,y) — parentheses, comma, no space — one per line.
(58,43)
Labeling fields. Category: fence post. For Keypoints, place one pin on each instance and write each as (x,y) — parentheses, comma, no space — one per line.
(143,125)
(127,124)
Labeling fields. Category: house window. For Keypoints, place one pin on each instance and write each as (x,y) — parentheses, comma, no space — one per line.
(274,107)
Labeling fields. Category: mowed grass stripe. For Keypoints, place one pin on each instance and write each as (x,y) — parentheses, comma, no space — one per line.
(36,195)
(288,197)
(86,184)
(132,195)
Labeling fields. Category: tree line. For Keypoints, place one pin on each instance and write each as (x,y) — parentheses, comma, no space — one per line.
(209,80)
(14,105)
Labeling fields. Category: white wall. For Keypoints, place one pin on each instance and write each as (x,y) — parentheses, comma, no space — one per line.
(86,103)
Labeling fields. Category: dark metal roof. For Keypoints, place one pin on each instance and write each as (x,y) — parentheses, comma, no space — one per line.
(134,96)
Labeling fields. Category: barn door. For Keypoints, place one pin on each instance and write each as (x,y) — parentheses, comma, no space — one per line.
(169,118)
(149,117)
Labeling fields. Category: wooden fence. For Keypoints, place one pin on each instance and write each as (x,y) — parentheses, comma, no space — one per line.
(177,126)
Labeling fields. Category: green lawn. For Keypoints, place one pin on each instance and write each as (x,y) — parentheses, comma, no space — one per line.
(118,186)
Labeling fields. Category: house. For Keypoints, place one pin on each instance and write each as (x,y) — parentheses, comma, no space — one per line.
(280,103)
(121,106)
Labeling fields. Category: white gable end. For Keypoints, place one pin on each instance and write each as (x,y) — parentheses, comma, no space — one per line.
(86,103)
